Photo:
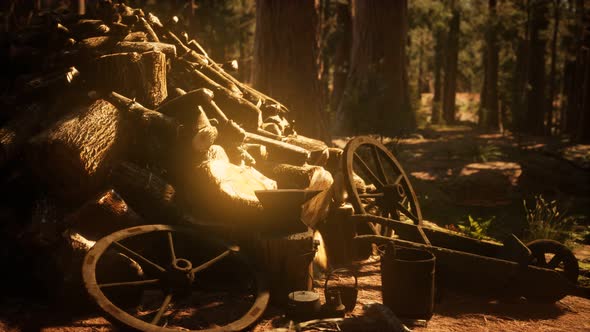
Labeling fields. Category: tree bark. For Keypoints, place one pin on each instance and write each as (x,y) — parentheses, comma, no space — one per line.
(519,95)
(342,54)
(438,76)
(137,76)
(282,52)
(536,94)
(552,73)
(450,82)
(490,110)
(377,96)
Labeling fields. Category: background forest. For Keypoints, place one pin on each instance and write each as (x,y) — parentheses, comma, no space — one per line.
(370,67)
(388,67)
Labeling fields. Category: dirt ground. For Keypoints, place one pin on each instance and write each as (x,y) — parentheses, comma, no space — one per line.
(453,312)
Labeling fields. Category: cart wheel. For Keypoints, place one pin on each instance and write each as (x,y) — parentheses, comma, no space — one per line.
(388,192)
(190,282)
(553,255)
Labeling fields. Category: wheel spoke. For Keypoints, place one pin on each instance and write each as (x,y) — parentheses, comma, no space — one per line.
(138,256)
(377,158)
(398,179)
(171,245)
(404,200)
(540,257)
(162,309)
(370,173)
(406,212)
(212,261)
(130,283)
(372,195)
(554,261)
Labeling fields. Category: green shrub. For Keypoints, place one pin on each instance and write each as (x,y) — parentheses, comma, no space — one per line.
(545,221)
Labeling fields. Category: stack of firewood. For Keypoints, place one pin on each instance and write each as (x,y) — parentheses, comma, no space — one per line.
(119,119)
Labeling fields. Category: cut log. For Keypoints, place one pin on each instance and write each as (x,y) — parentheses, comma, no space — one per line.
(155,123)
(272,128)
(99,217)
(74,155)
(54,82)
(151,196)
(280,152)
(138,76)
(229,190)
(15,134)
(233,105)
(310,144)
(96,46)
(184,108)
(167,49)
(257,151)
(137,36)
(149,31)
(88,28)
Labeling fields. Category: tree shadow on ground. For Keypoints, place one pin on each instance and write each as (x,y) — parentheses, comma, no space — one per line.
(454,304)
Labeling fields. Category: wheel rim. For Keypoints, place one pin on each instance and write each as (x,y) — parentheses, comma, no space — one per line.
(177,280)
(550,254)
(390,192)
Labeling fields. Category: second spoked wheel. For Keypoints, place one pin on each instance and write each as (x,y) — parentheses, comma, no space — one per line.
(377,184)
(170,278)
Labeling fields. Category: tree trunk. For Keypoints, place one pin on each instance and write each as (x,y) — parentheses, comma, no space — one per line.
(483,101)
(552,73)
(574,73)
(490,109)
(519,91)
(281,53)
(536,94)
(377,98)
(450,83)
(342,54)
(438,70)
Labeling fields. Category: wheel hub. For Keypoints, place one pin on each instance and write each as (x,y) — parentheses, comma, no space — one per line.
(180,275)
(393,192)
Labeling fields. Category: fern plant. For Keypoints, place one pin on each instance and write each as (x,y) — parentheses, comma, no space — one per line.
(475,228)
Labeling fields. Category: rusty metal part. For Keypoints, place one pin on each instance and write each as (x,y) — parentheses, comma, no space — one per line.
(284,205)
(550,254)
(476,266)
(488,275)
(303,305)
(388,192)
(175,277)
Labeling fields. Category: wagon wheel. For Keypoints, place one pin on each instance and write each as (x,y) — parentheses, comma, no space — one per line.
(388,192)
(553,255)
(184,286)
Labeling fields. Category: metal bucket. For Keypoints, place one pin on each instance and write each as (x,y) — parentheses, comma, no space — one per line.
(407,279)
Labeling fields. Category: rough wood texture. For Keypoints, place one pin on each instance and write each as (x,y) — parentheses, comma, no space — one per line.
(74,155)
(137,76)
(233,105)
(229,189)
(15,133)
(280,152)
(150,195)
(105,214)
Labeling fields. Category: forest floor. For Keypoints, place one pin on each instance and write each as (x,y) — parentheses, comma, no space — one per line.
(457,172)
